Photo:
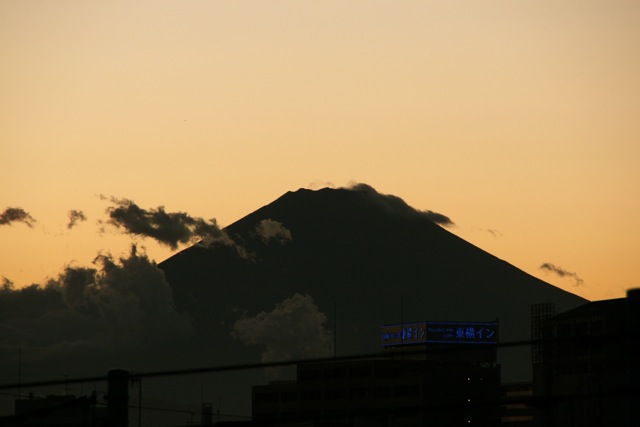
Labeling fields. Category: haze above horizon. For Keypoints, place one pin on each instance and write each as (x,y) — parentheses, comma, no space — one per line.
(517,120)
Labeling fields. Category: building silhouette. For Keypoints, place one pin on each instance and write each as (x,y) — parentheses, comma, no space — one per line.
(54,410)
(429,373)
(71,411)
(585,361)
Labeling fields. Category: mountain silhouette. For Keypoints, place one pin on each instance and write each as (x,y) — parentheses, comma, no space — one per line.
(365,259)
(311,274)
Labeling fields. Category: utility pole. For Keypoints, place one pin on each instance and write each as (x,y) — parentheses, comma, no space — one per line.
(19,372)
(118,398)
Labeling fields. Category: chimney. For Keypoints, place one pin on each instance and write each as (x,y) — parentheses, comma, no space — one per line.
(207,414)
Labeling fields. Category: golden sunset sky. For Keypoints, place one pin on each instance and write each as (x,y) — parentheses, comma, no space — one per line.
(520,120)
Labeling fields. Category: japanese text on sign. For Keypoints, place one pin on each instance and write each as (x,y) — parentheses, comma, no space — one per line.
(440,332)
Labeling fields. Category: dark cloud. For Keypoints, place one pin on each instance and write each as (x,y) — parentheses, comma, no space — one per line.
(75,217)
(294,329)
(396,205)
(438,218)
(11,215)
(167,228)
(122,303)
(131,296)
(269,230)
(561,272)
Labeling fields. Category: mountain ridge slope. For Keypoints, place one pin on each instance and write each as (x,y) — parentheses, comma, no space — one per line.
(366,259)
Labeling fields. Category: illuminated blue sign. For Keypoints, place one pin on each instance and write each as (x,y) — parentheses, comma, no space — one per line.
(440,332)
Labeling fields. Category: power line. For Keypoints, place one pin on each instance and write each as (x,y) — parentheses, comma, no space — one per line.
(440,349)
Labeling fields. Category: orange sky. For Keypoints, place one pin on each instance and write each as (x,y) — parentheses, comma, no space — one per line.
(517,119)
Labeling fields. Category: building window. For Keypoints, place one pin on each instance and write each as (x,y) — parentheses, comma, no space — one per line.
(266,397)
(360,372)
(309,374)
(289,396)
(311,395)
(359,393)
(407,390)
(335,394)
(382,392)
(337,373)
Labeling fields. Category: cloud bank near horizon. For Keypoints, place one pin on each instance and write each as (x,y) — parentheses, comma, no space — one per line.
(123,303)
